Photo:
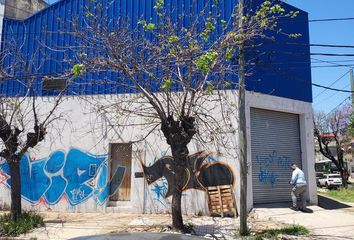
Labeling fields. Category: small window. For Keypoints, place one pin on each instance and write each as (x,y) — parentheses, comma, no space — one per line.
(50,84)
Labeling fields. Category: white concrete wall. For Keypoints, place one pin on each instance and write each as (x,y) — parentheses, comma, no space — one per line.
(85,130)
(92,133)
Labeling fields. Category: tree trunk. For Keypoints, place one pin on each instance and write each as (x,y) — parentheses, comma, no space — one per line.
(178,134)
(177,220)
(344,177)
(15,190)
(180,159)
(340,166)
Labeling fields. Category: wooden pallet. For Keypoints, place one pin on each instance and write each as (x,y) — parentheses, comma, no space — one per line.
(221,201)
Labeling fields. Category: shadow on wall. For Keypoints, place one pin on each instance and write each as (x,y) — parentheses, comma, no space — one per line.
(74,177)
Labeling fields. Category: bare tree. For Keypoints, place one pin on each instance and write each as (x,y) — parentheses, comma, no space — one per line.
(334,128)
(180,73)
(24,123)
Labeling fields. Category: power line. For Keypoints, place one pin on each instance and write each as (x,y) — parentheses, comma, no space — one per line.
(347,98)
(298,53)
(331,62)
(332,89)
(332,54)
(331,19)
(318,85)
(332,84)
(327,98)
(316,61)
(327,45)
(305,81)
(309,44)
(321,20)
(332,66)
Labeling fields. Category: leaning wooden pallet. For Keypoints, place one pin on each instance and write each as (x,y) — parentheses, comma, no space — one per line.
(221,201)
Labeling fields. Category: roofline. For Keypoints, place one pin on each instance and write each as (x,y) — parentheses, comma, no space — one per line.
(59,1)
(291,6)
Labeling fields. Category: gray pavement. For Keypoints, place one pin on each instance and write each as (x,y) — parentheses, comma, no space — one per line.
(333,221)
(139,236)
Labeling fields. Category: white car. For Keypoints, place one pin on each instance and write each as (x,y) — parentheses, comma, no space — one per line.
(330,181)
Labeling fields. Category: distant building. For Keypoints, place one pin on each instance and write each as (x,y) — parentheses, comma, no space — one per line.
(21,9)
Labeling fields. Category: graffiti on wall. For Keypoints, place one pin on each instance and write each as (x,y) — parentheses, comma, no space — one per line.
(74,176)
(201,172)
(266,174)
(159,188)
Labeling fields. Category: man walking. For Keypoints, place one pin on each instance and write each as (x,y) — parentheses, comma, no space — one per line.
(299,184)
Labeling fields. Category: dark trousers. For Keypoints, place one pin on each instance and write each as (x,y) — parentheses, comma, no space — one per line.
(299,191)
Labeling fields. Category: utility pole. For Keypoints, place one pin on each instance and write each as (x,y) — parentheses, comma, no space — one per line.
(351,76)
(242,126)
(352,85)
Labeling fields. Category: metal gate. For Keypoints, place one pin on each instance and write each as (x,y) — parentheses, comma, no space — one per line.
(275,144)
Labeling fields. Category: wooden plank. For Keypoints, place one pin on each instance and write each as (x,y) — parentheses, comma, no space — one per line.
(228,198)
(226,191)
(213,193)
(220,202)
(226,194)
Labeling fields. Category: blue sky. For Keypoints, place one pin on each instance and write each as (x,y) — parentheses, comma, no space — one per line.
(51,1)
(336,32)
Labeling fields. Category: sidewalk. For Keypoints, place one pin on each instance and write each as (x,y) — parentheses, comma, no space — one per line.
(72,225)
(333,222)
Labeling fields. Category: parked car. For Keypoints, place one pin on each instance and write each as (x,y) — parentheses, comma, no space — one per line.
(319,176)
(330,181)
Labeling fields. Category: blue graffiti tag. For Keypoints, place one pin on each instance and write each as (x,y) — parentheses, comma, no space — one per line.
(77,174)
(265,174)
(284,162)
(160,189)
(267,160)
(211,159)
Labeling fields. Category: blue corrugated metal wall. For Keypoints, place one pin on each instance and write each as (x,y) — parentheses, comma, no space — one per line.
(281,69)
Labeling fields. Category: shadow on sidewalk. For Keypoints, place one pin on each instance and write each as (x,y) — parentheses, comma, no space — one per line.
(273,205)
(330,237)
(330,204)
(141,236)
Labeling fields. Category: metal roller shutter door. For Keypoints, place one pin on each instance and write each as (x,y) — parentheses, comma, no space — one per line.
(275,144)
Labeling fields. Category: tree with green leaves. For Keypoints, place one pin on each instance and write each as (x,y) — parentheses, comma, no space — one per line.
(182,74)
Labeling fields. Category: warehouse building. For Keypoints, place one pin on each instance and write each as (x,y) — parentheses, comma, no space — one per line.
(90,167)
